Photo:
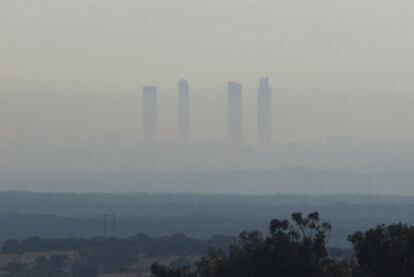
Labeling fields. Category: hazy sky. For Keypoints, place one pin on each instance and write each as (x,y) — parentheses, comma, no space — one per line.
(72,70)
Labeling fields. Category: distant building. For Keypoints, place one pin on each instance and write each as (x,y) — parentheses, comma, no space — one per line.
(264,112)
(235,116)
(183,111)
(150,113)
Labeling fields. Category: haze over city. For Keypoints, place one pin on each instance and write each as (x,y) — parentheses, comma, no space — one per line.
(206,138)
(72,71)
(337,94)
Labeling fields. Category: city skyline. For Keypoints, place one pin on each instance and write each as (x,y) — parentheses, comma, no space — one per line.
(49,117)
(183,111)
(77,79)
(264,112)
(234,112)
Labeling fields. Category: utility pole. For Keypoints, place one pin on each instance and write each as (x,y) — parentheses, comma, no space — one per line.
(113,225)
(105,217)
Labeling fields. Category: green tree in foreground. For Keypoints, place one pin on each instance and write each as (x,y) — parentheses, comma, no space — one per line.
(384,251)
(292,248)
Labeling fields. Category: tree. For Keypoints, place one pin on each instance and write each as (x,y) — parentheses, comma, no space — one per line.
(12,246)
(385,250)
(57,263)
(163,271)
(296,248)
(15,269)
(85,270)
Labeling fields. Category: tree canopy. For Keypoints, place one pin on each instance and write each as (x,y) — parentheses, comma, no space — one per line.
(291,248)
(385,250)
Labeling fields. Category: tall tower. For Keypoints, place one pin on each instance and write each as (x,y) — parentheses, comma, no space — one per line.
(150,113)
(183,112)
(235,117)
(264,112)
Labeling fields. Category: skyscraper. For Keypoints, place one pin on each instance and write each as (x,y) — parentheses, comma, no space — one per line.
(183,111)
(264,112)
(235,117)
(150,113)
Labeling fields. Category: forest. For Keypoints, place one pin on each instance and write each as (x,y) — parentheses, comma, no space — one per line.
(290,247)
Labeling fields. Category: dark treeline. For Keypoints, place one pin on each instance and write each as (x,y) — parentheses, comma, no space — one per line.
(141,244)
(298,248)
(54,215)
(106,255)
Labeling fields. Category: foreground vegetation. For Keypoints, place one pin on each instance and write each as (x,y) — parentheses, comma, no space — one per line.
(88,257)
(295,247)
(298,248)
